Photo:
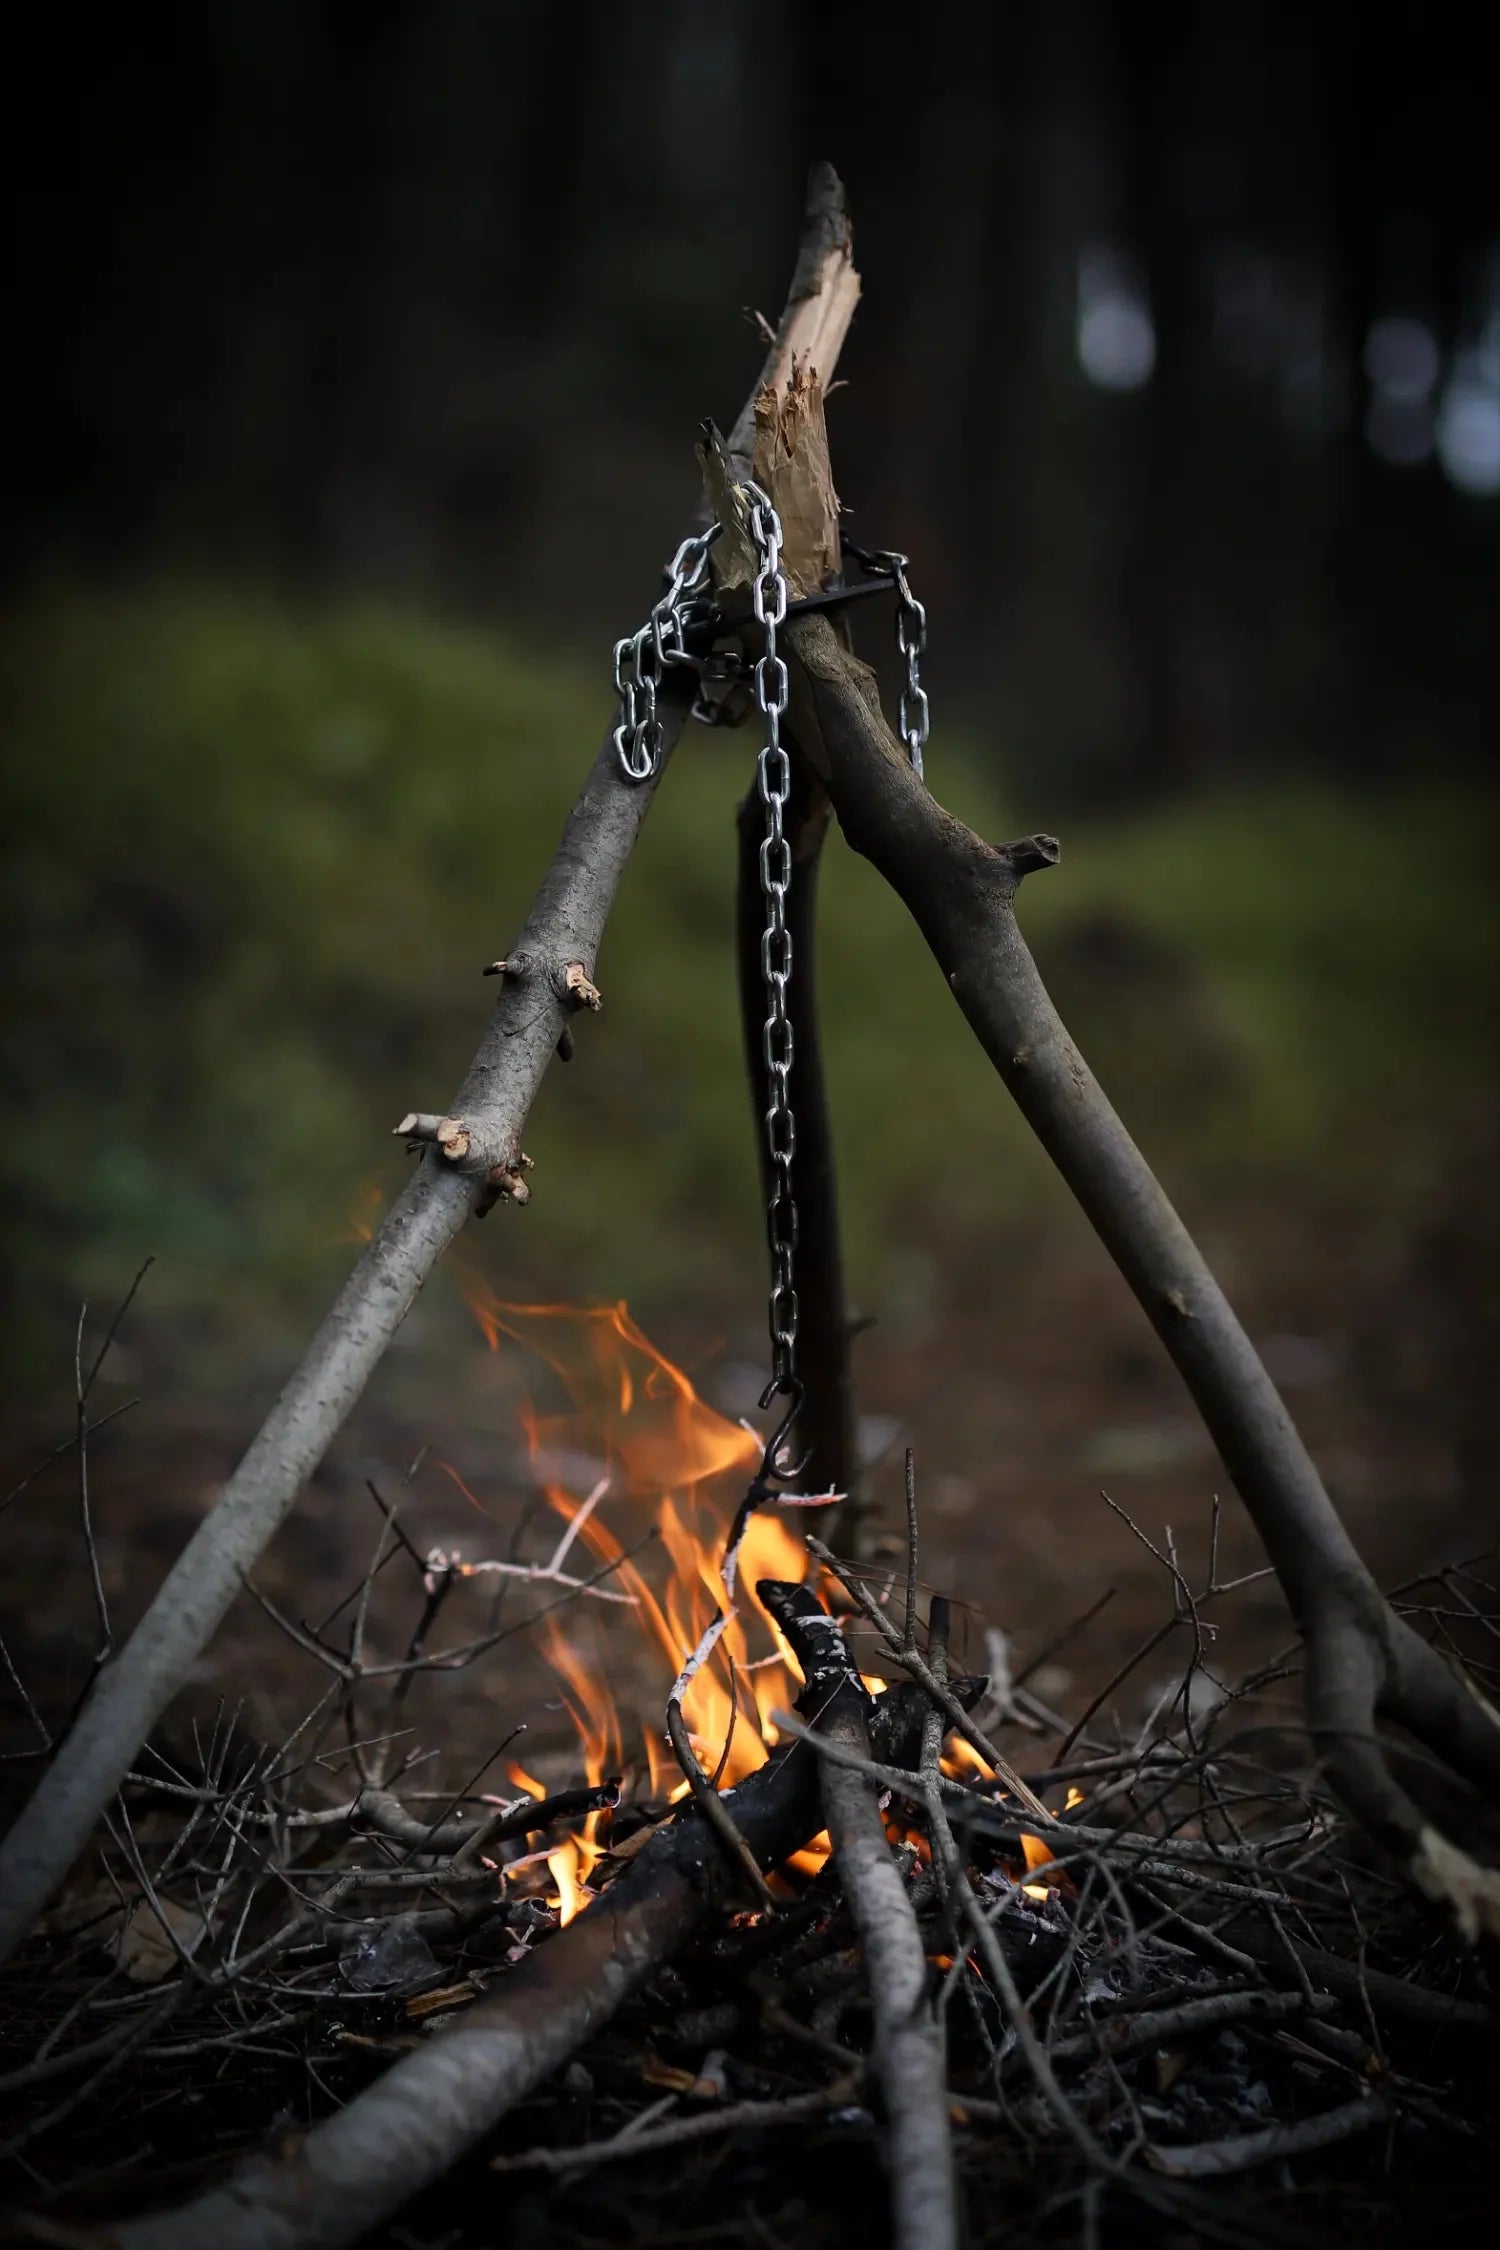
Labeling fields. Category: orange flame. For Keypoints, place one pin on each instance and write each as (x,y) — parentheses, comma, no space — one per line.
(961,1760)
(813,1857)
(677,1471)
(1038,1859)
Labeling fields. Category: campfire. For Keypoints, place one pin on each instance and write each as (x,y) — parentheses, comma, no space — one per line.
(1155,1958)
(655,1523)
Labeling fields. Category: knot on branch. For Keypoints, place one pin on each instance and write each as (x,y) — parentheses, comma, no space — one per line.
(579,989)
(505,1183)
(449,1135)
(455,1141)
(1030,854)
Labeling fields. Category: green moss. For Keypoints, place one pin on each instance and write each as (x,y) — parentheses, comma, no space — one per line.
(255,859)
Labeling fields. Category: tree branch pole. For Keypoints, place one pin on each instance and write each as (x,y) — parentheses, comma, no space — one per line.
(350,2173)
(474,1154)
(1362,1661)
(909,2051)
(825,1422)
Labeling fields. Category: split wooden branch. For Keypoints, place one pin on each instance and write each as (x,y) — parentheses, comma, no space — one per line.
(534,1013)
(819,307)
(1363,1662)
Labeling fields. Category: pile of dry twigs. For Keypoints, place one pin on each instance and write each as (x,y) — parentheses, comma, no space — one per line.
(287,1999)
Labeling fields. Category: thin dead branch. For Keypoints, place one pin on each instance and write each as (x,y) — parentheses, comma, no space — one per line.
(909,2049)
(1362,1661)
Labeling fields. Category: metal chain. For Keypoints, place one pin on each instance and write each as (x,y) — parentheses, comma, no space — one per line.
(911,639)
(768,599)
(640,662)
(912,716)
(642,658)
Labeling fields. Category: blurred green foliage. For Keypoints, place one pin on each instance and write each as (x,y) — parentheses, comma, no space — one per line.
(254,860)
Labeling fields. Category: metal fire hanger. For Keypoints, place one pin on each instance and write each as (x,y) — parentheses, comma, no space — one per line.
(683,628)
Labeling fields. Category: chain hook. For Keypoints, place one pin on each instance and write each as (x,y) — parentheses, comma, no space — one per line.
(773,1471)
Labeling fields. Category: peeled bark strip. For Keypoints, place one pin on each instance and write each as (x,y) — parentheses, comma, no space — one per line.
(909,2054)
(536,1007)
(429,2109)
(1363,1662)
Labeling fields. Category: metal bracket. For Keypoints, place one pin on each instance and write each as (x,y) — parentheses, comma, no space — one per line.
(721,674)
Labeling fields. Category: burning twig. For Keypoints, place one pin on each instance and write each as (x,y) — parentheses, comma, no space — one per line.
(713,1809)
(903,1650)
(704,1791)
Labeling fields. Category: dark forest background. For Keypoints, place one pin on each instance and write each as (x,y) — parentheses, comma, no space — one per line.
(1178,371)
(357,355)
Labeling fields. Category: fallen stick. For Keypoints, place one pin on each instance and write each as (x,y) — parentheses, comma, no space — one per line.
(909,2045)
(471,1154)
(678,2132)
(1357,1983)
(1213,2160)
(1155,2027)
(406,2130)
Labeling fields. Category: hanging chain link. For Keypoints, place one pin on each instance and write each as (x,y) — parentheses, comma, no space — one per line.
(768,599)
(642,658)
(912,716)
(911,639)
(640,662)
